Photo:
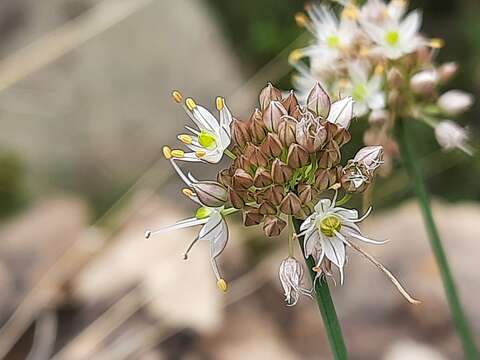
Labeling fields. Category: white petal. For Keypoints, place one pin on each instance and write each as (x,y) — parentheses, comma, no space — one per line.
(376,100)
(341,112)
(323,206)
(212,227)
(179,225)
(334,250)
(206,119)
(410,26)
(218,243)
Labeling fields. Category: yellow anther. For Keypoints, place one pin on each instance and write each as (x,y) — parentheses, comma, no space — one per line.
(436,43)
(178,153)
(186,139)
(222,285)
(301,19)
(295,55)
(190,104)
(187,192)
(200,153)
(379,69)
(167,152)
(220,102)
(343,83)
(350,12)
(177,96)
(316,269)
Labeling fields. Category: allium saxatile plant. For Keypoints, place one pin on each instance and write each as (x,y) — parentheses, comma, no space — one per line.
(376,54)
(286,163)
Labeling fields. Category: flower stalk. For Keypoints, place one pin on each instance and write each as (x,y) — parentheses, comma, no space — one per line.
(459,318)
(325,304)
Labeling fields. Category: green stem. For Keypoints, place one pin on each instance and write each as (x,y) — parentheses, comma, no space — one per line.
(229,154)
(326,307)
(411,165)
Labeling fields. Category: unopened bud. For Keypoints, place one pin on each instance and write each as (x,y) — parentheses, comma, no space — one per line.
(341,112)
(252,217)
(318,101)
(324,178)
(291,204)
(446,71)
(274,194)
(330,156)
(424,82)
(240,133)
(306,193)
(281,172)
(286,132)
(267,208)
(395,78)
(235,199)
(455,102)
(370,156)
(268,94)
(297,156)
(262,178)
(224,177)
(450,135)
(290,103)
(271,146)
(273,226)
(258,128)
(272,116)
(242,179)
(210,193)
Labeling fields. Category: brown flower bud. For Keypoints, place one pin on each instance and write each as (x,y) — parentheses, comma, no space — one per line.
(355,178)
(271,146)
(273,194)
(291,204)
(258,128)
(256,156)
(262,178)
(252,217)
(242,179)
(310,134)
(273,226)
(306,193)
(330,156)
(224,177)
(318,101)
(236,199)
(240,133)
(297,156)
(272,116)
(210,193)
(286,132)
(281,172)
(325,178)
(290,103)
(241,162)
(268,94)
(267,208)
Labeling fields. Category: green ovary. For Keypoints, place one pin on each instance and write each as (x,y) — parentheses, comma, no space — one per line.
(392,37)
(359,92)
(329,225)
(207,140)
(333,41)
(203,213)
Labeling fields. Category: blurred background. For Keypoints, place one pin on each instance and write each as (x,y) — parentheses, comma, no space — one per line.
(84,110)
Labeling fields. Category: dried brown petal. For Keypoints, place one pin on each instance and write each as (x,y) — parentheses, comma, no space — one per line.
(242,179)
(252,217)
(297,156)
(286,132)
(310,134)
(240,133)
(268,94)
(273,226)
(318,101)
(256,156)
(267,208)
(322,179)
(258,128)
(241,162)
(262,178)
(291,204)
(281,172)
(272,116)
(271,146)
(224,177)
(330,156)
(355,178)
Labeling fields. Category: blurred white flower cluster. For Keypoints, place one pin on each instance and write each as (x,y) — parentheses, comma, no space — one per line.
(375,53)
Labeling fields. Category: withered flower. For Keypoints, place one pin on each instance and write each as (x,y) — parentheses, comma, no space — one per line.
(310,132)
(273,226)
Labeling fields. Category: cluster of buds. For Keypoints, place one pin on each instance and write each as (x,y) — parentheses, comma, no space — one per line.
(375,54)
(287,155)
(286,160)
